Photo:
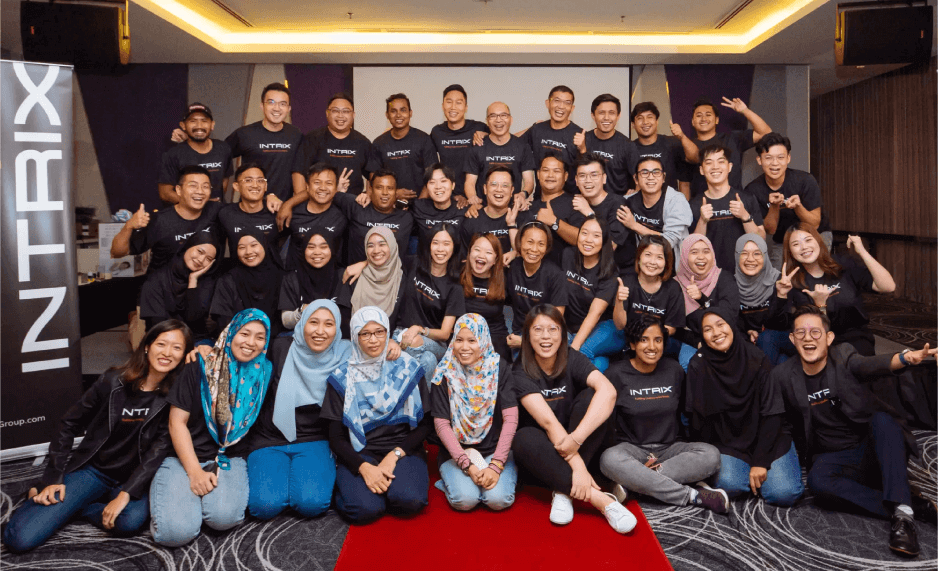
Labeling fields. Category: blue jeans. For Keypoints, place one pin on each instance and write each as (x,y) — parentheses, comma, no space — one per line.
(87,493)
(463,494)
(782,486)
(776,345)
(297,476)
(604,340)
(406,495)
(680,351)
(177,513)
(428,354)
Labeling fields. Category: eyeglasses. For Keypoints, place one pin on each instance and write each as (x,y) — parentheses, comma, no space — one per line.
(502,116)
(280,104)
(366,335)
(336,111)
(645,173)
(539,331)
(589,176)
(250,181)
(815,333)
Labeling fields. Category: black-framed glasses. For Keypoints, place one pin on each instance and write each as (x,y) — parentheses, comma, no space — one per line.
(645,173)
(366,335)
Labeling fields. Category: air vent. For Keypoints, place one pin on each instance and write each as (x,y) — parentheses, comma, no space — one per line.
(742,6)
(232,13)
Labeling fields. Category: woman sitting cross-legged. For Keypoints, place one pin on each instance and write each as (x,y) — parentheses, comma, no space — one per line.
(473,405)
(215,401)
(123,419)
(648,457)
(565,405)
(378,425)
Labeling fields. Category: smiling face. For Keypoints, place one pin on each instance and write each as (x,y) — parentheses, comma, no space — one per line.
(804,247)
(811,350)
(340,115)
(250,251)
(751,260)
(590,179)
(606,117)
(545,337)
(383,192)
(318,253)
(194,191)
(248,342)
(166,351)
(399,114)
(372,339)
(440,187)
(645,124)
(498,190)
(533,245)
(198,127)
(322,187)
(716,332)
(650,348)
(700,259)
(705,120)
(774,161)
(498,118)
(716,168)
(649,177)
(276,106)
(441,248)
(454,106)
(560,106)
(377,250)
(251,185)
(652,261)
(319,330)
(590,239)
(466,347)
(199,257)
(552,175)
(481,258)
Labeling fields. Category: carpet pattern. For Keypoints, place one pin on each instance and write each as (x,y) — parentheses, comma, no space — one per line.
(907,322)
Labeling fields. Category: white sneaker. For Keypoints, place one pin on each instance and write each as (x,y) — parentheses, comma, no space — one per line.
(561,509)
(619,516)
(620,493)
(476,458)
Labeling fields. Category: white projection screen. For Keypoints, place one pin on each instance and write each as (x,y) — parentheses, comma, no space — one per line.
(524,89)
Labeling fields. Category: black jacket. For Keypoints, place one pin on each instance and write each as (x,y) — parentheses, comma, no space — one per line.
(95,415)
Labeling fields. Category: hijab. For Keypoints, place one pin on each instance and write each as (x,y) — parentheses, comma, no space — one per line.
(232,391)
(259,287)
(303,379)
(376,392)
(473,389)
(165,292)
(378,286)
(754,290)
(686,276)
(317,283)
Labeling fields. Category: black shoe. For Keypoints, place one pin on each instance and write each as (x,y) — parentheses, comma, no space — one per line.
(903,539)
(925,509)
(714,499)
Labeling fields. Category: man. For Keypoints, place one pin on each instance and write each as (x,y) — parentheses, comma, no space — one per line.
(166,233)
(271,143)
(556,135)
(439,207)
(337,144)
(404,150)
(786,196)
(855,451)
(453,137)
(617,150)
(672,151)
(723,213)
(654,209)
(198,149)
(380,210)
(500,148)
(555,208)
(249,215)
(317,215)
(500,215)
(593,200)
(705,119)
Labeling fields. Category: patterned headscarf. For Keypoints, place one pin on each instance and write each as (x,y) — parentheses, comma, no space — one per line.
(232,391)
(376,392)
(473,389)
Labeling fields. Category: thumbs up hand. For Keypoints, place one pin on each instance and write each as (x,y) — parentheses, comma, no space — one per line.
(706,210)
(140,219)
(737,209)
(623,293)
(676,130)
(693,291)
(579,141)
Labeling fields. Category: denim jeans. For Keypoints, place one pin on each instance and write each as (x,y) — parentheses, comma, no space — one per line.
(87,493)
(680,351)
(776,345)
(782,486)
(428,354)
(604,340)
(463,494)
(297,476)
(177,513)
(681,463)
(407,494)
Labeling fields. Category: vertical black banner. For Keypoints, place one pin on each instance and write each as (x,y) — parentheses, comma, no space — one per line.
(41,357)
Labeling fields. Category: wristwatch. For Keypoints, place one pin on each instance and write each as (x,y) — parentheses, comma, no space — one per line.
(748,219)
(591,216)
(902,357)
(399,452)
(556,225)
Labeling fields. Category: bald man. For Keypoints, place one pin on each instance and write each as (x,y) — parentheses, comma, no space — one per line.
(500,148)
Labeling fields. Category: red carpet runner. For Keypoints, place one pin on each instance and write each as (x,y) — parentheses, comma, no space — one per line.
(519,538)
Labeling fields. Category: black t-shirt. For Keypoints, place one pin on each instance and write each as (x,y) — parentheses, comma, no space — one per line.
(236,223)
(562,205)
(361,220)
(505,398)
(408,157)
(845,303)
(330,224)
(493,313)
(583,286)
(724,229)
(352,153)
(669,150)
(651,218)
(515,154)
(167,231)
(119,456)
(217,161)
(558,392)
(485,224)
(542,138)
(667,304)
(428,299)
(621,158)
(832,430)
(453,146)
(427,217)
(738,142)
(606,210)
(647,404)
(798,183)
(547,285)
(275,151)
(186,394)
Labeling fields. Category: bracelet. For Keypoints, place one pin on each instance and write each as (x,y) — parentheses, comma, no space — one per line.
(574,439)
(426,332)
(497,463)
(495,468)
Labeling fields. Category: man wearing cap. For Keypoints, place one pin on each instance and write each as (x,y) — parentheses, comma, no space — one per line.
(453,137)
(199,149)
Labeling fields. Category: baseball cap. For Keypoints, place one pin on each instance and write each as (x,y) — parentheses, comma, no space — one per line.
(198,108)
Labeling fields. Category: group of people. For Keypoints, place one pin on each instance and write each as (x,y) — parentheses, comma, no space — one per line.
(566,307)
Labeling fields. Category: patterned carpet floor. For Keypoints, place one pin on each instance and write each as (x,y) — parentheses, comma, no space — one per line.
(907,322)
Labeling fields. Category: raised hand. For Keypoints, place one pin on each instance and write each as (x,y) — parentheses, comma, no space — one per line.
(737,208)
(693,291)
(776,199)
(676,130)
(783,285)
(819,294)
(623,293)
(916,357)
(579,141)
(736,104)
(345,180)
(793,201)
(512,217)
(855,243)
(140,219)
(178,135)
(625,216)
(706,210)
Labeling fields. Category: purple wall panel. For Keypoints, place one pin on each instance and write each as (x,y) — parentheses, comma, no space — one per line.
(311,86)
(688,83)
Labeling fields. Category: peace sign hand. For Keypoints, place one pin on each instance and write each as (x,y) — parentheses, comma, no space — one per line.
(783,285)
(345,180)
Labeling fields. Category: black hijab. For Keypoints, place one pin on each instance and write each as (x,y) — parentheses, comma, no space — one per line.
(259,287)
(317,283)
(165,292)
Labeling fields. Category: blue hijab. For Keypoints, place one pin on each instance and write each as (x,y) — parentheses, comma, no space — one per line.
(303,379)
(232,391)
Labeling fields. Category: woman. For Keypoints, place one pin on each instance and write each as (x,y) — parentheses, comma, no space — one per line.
(379,283)
(123,419)
(591,287)
(378,425)
(760,309)
(648,458)
(651,291)
(253,282)
(531,279)
(431,299)
(183,288)
(559,436)
(835,284)
(705,286)
(319,277)
(214,403)
(483,283)
(733,406)
(473,404)
(439,206)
